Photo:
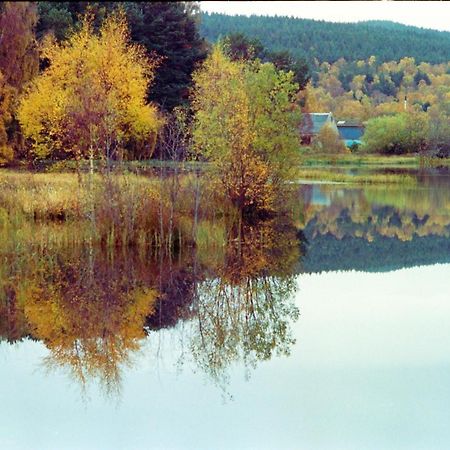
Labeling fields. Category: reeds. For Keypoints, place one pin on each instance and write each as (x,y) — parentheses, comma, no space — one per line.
(323,175)
(314,159)
(113,210)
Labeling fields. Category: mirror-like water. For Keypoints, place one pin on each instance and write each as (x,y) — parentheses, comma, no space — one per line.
(328,331)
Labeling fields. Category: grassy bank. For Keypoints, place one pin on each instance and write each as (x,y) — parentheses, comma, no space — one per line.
(137,166)
(346,160)
(309,159)
(324,175)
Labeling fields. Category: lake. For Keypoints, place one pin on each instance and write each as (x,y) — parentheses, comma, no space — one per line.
(328,330)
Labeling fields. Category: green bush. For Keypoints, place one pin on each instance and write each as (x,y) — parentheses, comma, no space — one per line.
(398,134)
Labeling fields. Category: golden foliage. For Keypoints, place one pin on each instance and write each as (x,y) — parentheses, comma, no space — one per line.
(89,328)
(92,95)
(6,98)
(329,141)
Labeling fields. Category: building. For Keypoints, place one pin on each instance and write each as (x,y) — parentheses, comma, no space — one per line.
(350,131)
(312,123)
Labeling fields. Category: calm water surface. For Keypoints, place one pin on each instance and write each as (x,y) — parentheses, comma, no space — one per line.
(329,332)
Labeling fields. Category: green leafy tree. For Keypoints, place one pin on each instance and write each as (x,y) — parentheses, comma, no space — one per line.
(55,17)
(240,47)
(398,134)
(63,18)
(248,129)
(439,134)
(168,29)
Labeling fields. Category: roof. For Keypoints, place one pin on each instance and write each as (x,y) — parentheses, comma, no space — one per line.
(312,123)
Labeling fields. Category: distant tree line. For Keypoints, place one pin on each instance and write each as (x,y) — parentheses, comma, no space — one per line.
(327,41)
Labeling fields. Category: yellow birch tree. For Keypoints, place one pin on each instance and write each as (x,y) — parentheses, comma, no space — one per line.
(90,101)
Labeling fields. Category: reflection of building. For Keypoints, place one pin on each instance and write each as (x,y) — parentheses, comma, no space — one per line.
(312,123)
(318,197)
(350,131)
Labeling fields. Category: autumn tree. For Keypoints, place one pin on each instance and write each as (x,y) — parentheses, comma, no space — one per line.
(246,124)
(240,47)
(90,101)
(6,100)
(168,29)
(329,141)
(315,99)
(18,65)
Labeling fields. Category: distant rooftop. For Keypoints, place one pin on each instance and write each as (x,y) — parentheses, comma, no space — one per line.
(312,123)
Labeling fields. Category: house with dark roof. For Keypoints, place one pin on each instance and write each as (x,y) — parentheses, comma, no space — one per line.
(312,123)
(350,131)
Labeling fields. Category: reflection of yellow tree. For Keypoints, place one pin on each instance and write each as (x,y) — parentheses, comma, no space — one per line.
(91,324)
(244,312)
(91,338)
(92,308)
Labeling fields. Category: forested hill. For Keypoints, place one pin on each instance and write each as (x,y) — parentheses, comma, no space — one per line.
(329,41)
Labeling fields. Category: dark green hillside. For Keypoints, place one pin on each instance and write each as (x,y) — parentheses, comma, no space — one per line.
(328,41)
(327,253)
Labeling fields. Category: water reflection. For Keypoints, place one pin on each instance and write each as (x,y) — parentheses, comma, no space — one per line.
(376,228)
(87,308)
(94,308)
(245,309)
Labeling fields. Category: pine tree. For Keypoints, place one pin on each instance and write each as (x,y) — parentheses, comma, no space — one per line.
(169,30)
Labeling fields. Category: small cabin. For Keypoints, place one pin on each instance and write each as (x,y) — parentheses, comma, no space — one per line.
(351,132)
(312,123)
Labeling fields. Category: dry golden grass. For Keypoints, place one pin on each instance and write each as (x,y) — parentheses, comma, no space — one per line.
(120,209)
(338,177)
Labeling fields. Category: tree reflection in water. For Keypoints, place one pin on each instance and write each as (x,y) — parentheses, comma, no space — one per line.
(93,308)
(245,310)
(89,311)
